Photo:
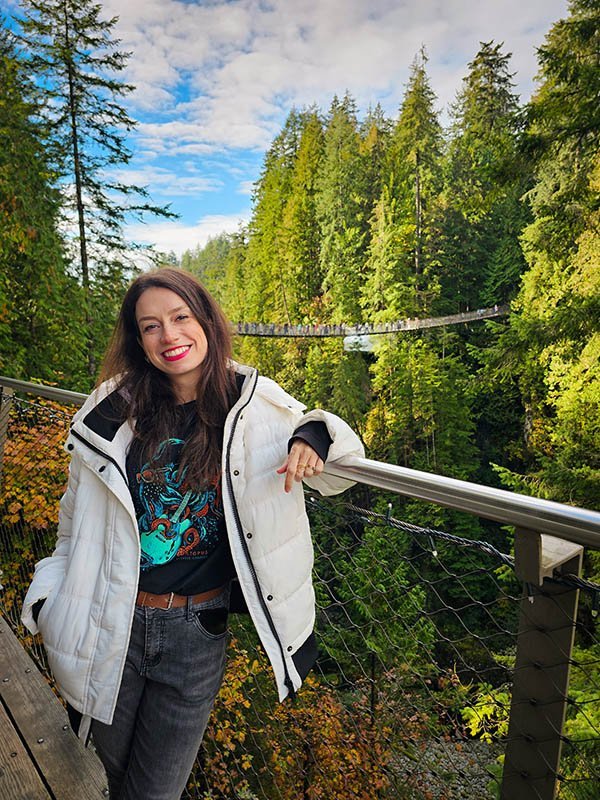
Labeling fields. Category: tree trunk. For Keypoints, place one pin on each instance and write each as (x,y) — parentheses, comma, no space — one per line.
(85,274)
(418,218)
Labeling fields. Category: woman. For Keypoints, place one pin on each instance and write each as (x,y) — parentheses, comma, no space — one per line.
(184,489)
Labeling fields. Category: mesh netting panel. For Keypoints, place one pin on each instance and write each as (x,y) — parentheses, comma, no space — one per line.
(417,633)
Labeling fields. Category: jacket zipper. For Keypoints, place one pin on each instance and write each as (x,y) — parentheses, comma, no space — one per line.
(287,680)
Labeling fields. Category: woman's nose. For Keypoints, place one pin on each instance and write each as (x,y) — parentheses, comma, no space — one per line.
(169,333)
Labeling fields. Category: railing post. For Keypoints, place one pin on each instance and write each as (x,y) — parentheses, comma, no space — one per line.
(6,399)
(541,678)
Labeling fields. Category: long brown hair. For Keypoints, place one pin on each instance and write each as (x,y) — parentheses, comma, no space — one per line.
(151,396)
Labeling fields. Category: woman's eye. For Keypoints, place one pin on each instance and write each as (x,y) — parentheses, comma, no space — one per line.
(181,317)
(151,327)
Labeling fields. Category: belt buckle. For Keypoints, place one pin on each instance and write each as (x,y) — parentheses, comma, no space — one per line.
(170,603)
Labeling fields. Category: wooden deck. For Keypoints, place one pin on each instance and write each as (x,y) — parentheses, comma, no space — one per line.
(40,757)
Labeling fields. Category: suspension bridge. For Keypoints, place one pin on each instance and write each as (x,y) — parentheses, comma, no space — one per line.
(365,328)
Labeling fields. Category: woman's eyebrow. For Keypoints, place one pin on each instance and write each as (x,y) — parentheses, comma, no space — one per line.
(172,311)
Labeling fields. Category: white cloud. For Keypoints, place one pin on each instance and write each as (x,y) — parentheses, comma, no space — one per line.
(167,182)
(246,187)
(215,79)
(240,66)
(179,237)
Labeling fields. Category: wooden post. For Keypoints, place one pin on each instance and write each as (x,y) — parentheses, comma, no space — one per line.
(541,679)
(6,400)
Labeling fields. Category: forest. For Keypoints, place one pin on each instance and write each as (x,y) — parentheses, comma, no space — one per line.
(357,218)
(354,220)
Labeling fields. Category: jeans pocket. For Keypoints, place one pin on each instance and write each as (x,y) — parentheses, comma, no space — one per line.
(212,622)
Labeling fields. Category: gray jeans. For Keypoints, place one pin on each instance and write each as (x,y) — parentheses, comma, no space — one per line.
(173,672)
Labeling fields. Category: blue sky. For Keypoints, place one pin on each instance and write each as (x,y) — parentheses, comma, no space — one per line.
(215,80)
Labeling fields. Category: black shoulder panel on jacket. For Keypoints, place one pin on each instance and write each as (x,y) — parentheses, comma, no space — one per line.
(106,418)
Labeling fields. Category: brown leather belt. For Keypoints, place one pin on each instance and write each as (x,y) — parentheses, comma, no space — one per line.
(172,600)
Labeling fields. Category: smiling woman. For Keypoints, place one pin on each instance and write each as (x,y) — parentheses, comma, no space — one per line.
(184,500)
(172,338)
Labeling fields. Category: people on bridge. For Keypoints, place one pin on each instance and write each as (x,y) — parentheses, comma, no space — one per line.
(184,503)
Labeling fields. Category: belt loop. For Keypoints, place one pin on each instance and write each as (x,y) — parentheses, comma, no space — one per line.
(188,608)
(170,603)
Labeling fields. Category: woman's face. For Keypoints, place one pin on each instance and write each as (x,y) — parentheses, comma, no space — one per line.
(172,338)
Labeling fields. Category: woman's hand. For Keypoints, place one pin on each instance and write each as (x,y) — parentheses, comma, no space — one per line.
(302,462)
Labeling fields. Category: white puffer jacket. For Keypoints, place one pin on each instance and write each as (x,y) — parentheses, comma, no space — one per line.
(90,581)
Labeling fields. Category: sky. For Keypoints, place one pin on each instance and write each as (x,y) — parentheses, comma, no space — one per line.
(215,80)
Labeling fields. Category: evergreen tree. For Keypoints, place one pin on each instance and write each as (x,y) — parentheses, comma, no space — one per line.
(375,132)
(553,342)
(301,238)
(209,263)
(486,177)
(233,296)
(267,290)
(402,245)
(421,416)
(39,302)
(76,65)
(389,291)
(340,213)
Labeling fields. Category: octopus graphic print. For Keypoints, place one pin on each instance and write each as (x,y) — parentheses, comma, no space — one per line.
(177,521)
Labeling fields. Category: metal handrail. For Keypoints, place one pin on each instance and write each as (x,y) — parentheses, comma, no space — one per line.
(49,392)
(578,525)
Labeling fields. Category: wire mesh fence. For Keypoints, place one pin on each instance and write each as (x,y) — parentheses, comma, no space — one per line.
(411,697)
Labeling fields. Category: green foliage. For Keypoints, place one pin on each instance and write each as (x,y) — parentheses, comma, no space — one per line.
(375,585)
(415,183)
(75,64)
(486,175)
(487,714)
(554,331)
(39,301)
(342,218)
(301,239)
(389,291)
(420,416)
(337,380)
(209,263)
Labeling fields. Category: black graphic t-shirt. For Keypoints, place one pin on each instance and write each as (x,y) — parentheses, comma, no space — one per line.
(183,539)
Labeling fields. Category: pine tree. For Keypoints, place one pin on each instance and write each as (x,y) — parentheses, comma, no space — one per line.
(301,238)
(267,290)
(416,151)
(39,302)
(76,64)
(486,177)
(375,132)
(209,263)
(389,291)
(341,216)
(421,415)
(553,342)
(402,247)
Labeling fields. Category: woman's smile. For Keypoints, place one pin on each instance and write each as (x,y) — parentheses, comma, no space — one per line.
(177,353)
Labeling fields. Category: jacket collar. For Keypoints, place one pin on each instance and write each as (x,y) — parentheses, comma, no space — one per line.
(102,420)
